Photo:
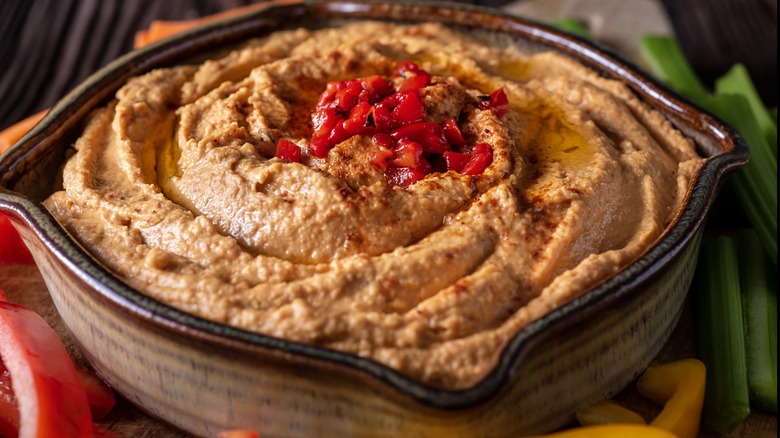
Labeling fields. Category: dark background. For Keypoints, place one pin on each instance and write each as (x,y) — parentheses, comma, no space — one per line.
(48,46)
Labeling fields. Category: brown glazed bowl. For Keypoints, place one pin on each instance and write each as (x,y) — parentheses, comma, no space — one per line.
(203,377)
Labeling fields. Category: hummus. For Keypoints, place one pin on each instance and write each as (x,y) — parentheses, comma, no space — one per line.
(175,186)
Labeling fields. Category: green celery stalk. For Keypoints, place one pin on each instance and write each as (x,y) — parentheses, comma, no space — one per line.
(573,25)
(756,183)
(737,81)
(720,340)
(759,305)
(668,63)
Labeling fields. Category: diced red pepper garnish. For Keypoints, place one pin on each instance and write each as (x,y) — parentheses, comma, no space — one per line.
(288,151)
(452,132)
(384,139)
(347,96)
(481,157)
(318,146)
(357,123)
(404,176)
(376,88)
(338,135)
(456,161)
(409,147)
(408,69)
(429,134)
(382,118)
(408,154)
(330,92)
(13,250)
(497,102)
(415,82)
(381,158)
(410,109)
(324,120)
(49,394)
(414,76)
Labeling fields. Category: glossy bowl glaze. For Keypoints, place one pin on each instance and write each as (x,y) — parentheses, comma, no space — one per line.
(203,377)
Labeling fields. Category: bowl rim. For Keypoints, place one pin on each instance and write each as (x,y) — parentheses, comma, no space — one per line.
(73,107)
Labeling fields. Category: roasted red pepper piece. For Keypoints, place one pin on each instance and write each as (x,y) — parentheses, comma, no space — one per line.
(358,122)
(404,176)
(348,95)
(324,120)
(481,157)
(415,82)
(408,154)
(376,88)
(455,160)
(409,110)
(497,102)
(414,76)
(381,158)
(410,147)
(288,151)
(382,118)
(383,139)
(408,68)
(428,134)
(452,132)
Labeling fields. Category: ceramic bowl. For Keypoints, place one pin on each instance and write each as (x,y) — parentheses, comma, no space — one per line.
(203,377)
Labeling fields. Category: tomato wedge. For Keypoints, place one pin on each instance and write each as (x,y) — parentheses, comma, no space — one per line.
(100,396)
(49,394)
(9,413)
(12,251)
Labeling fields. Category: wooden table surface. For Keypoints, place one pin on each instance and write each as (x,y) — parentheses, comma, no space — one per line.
(54,44)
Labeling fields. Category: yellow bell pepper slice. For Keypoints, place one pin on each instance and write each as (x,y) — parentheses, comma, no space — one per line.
(679,386)
(607,412)
(612,431)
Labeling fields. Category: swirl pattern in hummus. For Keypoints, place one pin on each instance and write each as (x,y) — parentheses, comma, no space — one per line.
(174,187)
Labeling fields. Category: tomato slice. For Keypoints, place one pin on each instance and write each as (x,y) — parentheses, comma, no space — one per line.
(100,396)
(13,250)
(9,412)
(49,394)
